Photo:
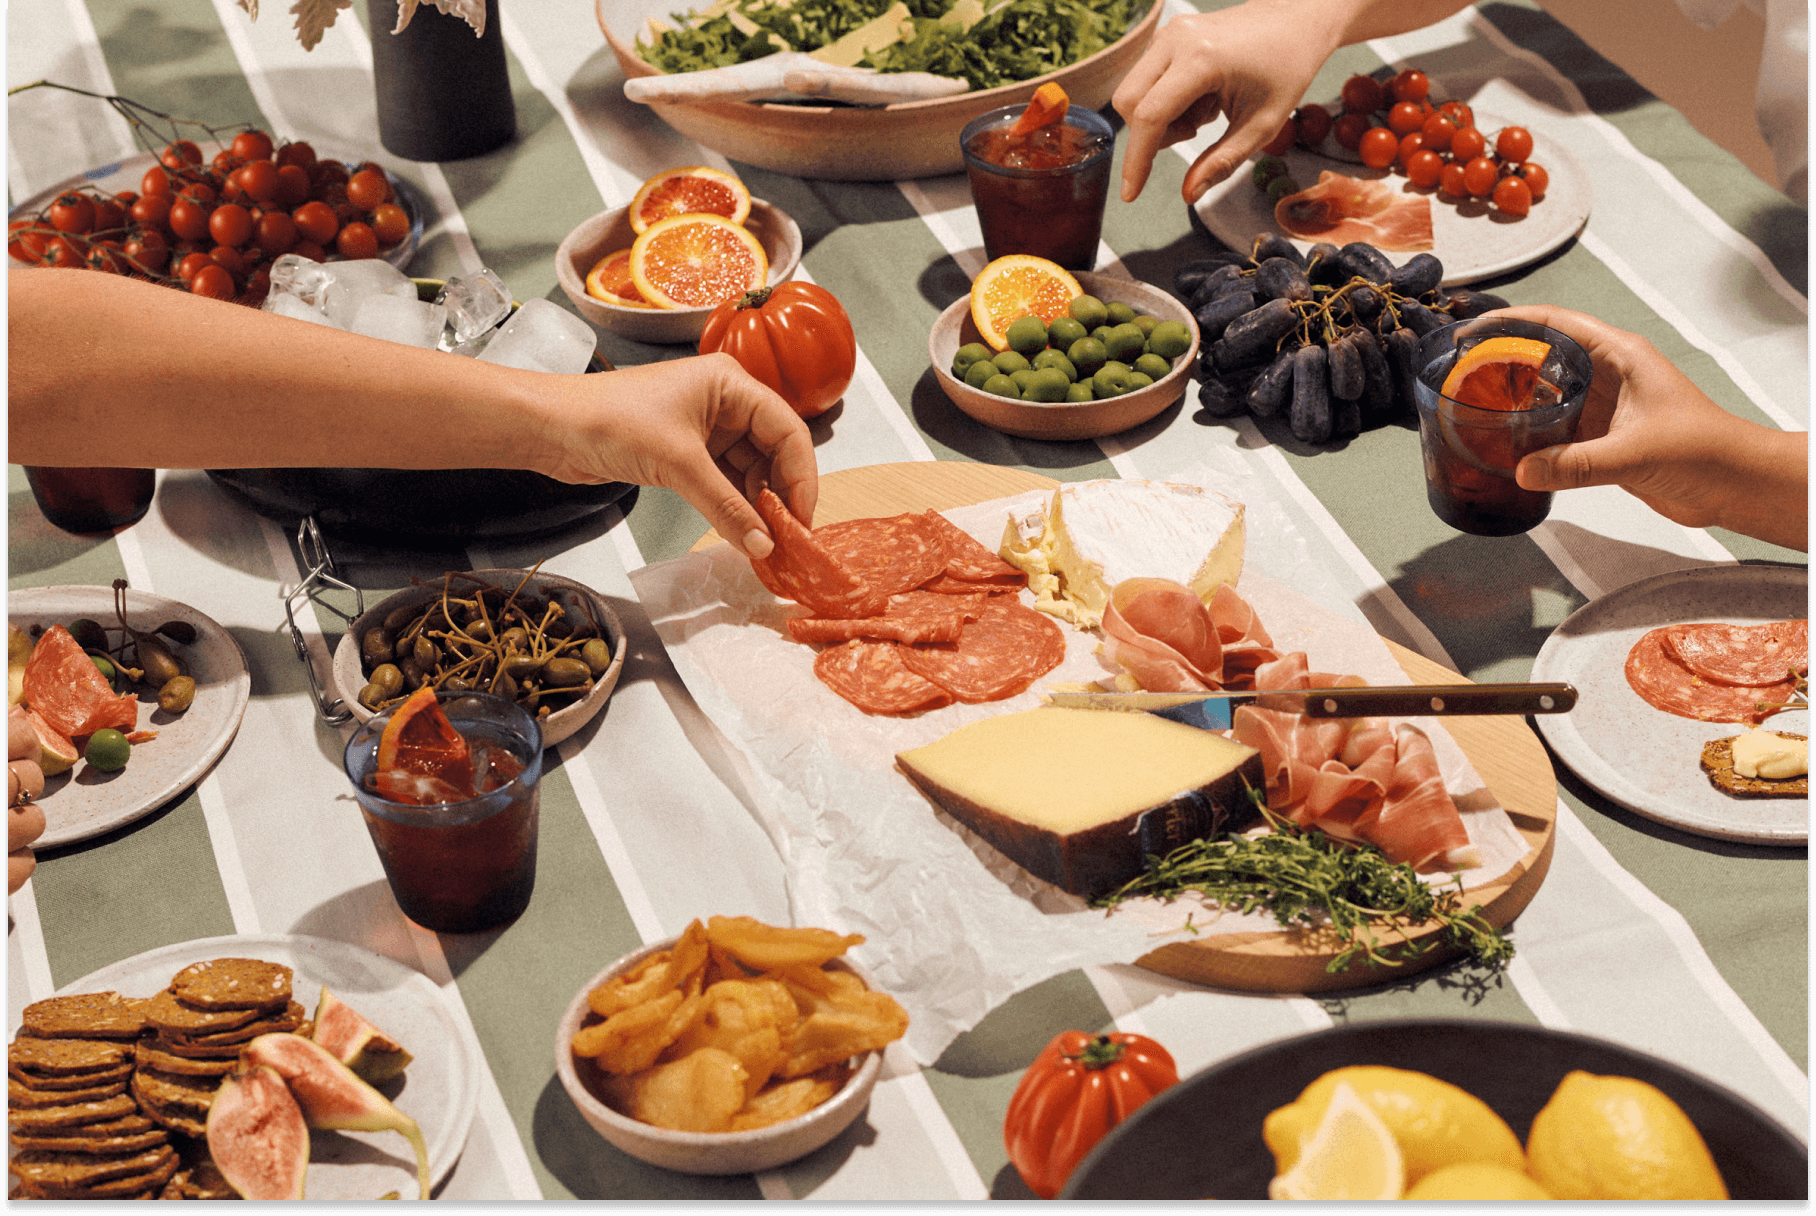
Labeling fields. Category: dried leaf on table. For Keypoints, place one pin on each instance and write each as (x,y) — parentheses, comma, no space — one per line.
(473,12)
(313,17)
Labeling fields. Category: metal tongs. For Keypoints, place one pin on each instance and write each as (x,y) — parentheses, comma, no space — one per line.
(319,577)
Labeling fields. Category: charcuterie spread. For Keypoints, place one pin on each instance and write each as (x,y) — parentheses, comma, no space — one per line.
(1718,672)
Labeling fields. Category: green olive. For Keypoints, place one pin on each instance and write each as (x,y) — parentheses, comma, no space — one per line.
(426,653)
(517,666)
(372,696)
(108,750)
(597,654)
(389,678)
(180,632)
(515,638)
(177,695)
(565,672)
(88,634)
(397,618)
(160,665)
(105,667)
(377,646)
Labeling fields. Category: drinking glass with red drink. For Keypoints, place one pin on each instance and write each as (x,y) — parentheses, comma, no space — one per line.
(448,783)
(91,499)
(1041,193)
(1488,392)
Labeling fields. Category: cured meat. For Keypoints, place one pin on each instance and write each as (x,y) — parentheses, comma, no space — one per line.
(1170,641)
(1741,654)
(914,616)
(967,558)
(945,584)
(803,570)
(873,677)
(1004,651)
(893,554)
(1664,683)
(1341,209)
(63,686)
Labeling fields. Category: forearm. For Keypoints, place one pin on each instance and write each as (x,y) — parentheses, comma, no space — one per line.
(110,371)
(1330,24)
(1768,471)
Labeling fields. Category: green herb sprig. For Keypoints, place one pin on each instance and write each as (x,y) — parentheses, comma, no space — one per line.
(1305,878)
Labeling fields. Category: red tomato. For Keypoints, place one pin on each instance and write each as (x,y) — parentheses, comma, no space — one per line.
(292,186)
(260,179)
(1537,180)
(149,251)
(1405,118)
(1437,132)
(156,184)
(1410,85)
(1467,144)
(1409,145)
(1513,196)
(191,263)
(73,212)
(794,337)
(1349,130)
(276,233)
(368,188)
(390,223)
(316,222)
(1513,143)
(252,145)
(1480,175)
(231,224)
(1450,181)
(1287,136)
(1314,123)
(109,214)
(188,218)
(1078,1088)
(151,211)
(1424,167)
(1363,95)
(180,154)
(213,281)
(229,259)
(298,153)
(357,240)
(310,250)
(1459,113)
(1379,147)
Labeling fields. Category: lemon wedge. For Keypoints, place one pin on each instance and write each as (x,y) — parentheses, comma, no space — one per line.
(1351,1156)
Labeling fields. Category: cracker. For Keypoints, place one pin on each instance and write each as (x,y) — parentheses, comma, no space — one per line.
(85,1015)
(150,1055)
(22,1097)
(233,983)
(1718,763)
(66,1056)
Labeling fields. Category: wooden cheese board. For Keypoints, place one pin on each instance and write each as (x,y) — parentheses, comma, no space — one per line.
(1504,751)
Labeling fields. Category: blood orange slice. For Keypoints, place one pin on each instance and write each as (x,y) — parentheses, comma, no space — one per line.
(697,261)
(689,191)
(419,741)
(1500,374)
(610,280)
(1015,286)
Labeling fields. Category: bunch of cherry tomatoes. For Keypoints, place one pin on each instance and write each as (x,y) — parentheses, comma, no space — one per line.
(216,227)
(1392,124)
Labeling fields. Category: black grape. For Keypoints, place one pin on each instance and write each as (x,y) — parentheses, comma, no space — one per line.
(1361,258)
(1268,394)
(1223,395)
(1321,265)
(1464,304)
(1273,245)
(1346,366)
(1310,417)
(1365,302)
(1377,381)
(1188,276)
(1206,287)
(1420,275)
(1213,318)
(1282,279)
(1420,319)
(1402,355)
(1251,337)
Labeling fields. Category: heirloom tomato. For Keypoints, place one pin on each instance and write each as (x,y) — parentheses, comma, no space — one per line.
(1078,1088)
(794,337)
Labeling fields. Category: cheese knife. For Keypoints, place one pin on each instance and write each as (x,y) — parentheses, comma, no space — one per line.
(1212,711)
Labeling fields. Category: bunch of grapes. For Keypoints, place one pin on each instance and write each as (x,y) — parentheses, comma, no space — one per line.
(214,228)
(1328,338)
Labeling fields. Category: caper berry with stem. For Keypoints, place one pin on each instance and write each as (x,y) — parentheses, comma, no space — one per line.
(373,695)
(176,695)
(180,632)
(597,655)
(88,634)
(389,678)
(377,646)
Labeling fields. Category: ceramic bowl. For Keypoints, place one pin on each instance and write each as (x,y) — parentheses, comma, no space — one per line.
(709,1152)
(349,675)
(610,231)
(859,143)
(1059,419)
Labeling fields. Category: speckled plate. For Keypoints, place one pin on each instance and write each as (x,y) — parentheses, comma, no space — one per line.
(1644,758)
(439,1089)
(84,801)
(1473,240)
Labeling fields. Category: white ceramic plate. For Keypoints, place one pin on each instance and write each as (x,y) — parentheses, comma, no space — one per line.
(440,1088)
(85,802)
(1473,240)
(126,174)
(1644,758)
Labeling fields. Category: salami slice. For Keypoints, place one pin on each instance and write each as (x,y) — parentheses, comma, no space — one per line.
(892,554)
(913,616)
(1741,654)
(1667,684)
(1004,651)
(801,569)
(945,584)
(873,677)
(966,558)
(63,686)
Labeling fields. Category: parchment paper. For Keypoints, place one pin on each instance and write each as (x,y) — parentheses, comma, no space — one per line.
(954,927)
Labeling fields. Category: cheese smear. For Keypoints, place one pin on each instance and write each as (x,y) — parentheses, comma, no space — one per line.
(1764,753)
(1095,534)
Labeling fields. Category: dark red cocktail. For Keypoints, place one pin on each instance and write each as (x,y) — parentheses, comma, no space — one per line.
(1041,193)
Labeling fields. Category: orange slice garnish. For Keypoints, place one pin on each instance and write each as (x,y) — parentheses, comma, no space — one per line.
(1015,286)
(697,261)
(1048,106)
(693,190)
(420,741)
(610,280)
(1497,373)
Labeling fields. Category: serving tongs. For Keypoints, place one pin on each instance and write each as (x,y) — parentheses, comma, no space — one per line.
(1213,710)
(319,577)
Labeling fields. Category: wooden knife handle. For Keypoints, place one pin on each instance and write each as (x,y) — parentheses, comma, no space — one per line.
(1441,699)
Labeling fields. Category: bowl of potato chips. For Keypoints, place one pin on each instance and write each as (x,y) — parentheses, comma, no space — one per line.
(735,1047)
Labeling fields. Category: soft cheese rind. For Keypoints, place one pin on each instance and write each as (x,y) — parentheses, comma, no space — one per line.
(1095,534)
(1079,797)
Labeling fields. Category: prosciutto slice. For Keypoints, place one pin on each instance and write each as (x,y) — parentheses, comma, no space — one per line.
(1341,209)
(1170,641)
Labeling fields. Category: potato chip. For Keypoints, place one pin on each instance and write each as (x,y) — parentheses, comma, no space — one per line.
(656,975)
(631,1039)
(698,1093)
(783,1101)
(766,947)
(754,1020)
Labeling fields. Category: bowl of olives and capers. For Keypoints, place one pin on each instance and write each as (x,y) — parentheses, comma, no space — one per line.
(553,645)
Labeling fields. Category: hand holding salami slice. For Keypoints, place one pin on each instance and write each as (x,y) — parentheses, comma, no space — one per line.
(803,570)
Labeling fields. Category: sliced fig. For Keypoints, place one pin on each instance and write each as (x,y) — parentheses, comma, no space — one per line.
(331,1096)
(372,1054)
(257,1135)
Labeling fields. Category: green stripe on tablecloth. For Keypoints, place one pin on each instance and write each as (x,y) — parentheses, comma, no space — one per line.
(143,886)
(159,55)
(39,554)
(517,982)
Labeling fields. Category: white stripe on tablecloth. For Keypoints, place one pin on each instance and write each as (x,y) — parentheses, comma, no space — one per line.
(70,132)
(33,960)
(900,1070)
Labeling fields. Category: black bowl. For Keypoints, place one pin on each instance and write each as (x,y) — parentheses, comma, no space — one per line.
(1202,1138)
(433,507)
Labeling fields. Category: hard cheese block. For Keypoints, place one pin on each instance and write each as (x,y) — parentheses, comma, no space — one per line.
(1094,534)
(1080,797)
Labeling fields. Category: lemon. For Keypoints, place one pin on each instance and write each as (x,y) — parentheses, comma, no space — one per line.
(1435,1123)
(1351,1155)
(1618,1138)
(1476,1180)
(18,653)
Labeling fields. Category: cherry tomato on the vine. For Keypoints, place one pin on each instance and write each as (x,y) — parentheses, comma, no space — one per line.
(155,183)
(181,154)
(1437,131)
(230,224)
(109,214)
(316,222)
(298,153)
(1512,195)
(1459,113)
(1513,143)
(1467,144)
(201,192)
(214,281)
(188,218)
(1405,118)
(151,211)
(1314,123)
(1480,175)
(292,186)
(192,263)
(1409,146)
(229,259)
(368,188)
(1282,140)
(1410,85)
(260,180)
(1363,95)
(252,145)
(357,240)
(1424,167)
(1349,130)
(310,250)
(1536,179)
(276,233)
(149,251)
(1379,147)
(390,223)
(73,212)
(1450,181)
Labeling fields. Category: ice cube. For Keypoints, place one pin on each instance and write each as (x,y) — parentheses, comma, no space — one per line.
(301,277)
(351,282)
(473,348)
(286,305)
(475,303)
(542,337)
(395,319)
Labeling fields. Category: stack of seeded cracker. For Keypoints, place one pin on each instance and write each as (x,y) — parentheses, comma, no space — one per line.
(108,1095)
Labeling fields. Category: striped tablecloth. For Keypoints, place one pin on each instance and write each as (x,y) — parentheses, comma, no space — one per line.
(1685,947)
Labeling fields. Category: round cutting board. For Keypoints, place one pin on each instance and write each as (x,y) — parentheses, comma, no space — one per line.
(1504,751)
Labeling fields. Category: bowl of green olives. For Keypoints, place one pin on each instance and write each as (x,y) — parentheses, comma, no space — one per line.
(553,645)
(1121,354)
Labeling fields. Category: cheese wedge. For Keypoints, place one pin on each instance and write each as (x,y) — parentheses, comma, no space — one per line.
(1080,797)
(1094,534)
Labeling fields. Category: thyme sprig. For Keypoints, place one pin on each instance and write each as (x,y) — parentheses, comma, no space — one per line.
(1307,879)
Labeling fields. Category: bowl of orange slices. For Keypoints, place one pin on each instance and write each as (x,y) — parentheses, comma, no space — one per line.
(691,239)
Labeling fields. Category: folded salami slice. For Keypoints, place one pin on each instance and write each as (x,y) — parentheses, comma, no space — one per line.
(913,616)
(1741,654)
(946,584)
(803,570)
(892,554)
(1663,682)
(1004,651)
(967,559)
(873,677)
